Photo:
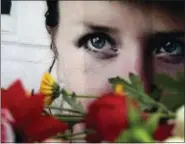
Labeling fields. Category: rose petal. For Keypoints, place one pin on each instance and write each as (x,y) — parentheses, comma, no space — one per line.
(7,134)
(28,110)
(44,127)
(107,116)
(163,131)
(14,95)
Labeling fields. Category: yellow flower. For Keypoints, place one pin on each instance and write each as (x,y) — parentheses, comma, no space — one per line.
(49,88)
(119,89)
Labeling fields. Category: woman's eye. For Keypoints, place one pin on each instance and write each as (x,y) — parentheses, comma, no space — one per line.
(101,44)
(175,48)
(98,43)
(171,51)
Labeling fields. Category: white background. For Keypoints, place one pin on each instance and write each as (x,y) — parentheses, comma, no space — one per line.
(25,52)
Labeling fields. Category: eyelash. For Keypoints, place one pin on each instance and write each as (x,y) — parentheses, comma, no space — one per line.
(160,51)
(158,46)
(87,37)
(84,41)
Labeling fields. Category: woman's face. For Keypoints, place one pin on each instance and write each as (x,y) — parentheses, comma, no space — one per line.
(97,40)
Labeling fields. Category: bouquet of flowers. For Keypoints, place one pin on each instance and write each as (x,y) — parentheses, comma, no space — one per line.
(127,114)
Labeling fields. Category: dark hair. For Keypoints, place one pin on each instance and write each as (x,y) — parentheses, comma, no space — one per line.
(52,20)
(175,7)
(52,14)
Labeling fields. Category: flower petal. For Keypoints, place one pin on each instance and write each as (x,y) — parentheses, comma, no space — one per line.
(47,100)
(7,134)
(28,110)
(179,123)
(14,95)
(174,140)
(44,127)
(119,89)
(44,86)
(107,116)
(5,114)
(46,92)
(163,131)
(47,79)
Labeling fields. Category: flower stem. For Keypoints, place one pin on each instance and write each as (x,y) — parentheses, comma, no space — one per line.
(78,138)
(50,111)
(64,109)
(70,118)
(81,96)
(68,115)
(165,109)
(78,96)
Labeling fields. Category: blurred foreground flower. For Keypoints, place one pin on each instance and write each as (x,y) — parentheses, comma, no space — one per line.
(178,130)
(107,116)
(174,140)
(179,123)
(49,88)
(119,89)
(53,140)
(7,134)
(29,122)
(163,131)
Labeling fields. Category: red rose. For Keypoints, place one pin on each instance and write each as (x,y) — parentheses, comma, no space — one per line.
(29,121)
(163,132)
(107,116)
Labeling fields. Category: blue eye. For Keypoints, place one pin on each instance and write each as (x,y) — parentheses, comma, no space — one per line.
(98,42)
(174,47)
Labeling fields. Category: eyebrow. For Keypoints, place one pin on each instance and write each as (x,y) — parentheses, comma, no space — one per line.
(101,28)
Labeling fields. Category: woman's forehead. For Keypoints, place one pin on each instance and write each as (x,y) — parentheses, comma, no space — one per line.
(116,14)
(90,9)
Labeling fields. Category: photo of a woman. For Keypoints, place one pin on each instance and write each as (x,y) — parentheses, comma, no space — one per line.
(95,40)
(112,71)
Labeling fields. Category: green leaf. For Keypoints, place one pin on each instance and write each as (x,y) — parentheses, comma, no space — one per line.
(180,81)
(125,136)
(71,100)
(73,97)
(144,100)
(166,82)
(69,118)
(134,90)
(145,107)
(156,94)
(140,135)
(174,89)
(152,122)
(134,116)
(173,101)
(134,135)
(136,82)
